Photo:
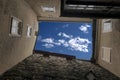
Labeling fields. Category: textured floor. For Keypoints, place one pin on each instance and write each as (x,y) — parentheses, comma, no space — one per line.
(37,67)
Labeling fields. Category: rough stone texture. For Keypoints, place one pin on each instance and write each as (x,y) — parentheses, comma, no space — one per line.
(37,67)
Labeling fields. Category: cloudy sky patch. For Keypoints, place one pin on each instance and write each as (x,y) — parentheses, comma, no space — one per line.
(61,34)
(75,44)
(84,28)
(65,26)
(70,38)
(48,40)
(48,45)
(79,44)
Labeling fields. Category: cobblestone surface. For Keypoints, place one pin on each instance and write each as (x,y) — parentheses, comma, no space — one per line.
(37,67)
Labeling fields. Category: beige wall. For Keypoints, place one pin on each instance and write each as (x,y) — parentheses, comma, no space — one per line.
(71,19)
(37,5)
(112,40)
(15,49)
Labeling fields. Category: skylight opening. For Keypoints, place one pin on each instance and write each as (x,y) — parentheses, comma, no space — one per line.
(69,38)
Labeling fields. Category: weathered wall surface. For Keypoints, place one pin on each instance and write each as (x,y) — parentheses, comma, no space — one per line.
(73,19)
(38,67)
(15,49)
(37,5)
(112,40)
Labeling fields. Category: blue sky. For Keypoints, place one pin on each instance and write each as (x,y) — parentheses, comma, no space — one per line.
(71,38)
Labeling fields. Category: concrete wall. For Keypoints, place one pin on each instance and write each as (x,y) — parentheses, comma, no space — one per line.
(37,5)
(112,40)
(73,19)
(15,49)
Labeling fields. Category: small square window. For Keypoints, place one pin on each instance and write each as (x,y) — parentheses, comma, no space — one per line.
(16,27)
(106,25)
(106,54)
(29,31)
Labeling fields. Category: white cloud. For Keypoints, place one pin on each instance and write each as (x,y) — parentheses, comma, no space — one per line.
(79,44)
(84,28)
(48,45)
(63,42)
(57,43)
(74,44)
(66,44)
(65,26)
(60,34)
(48,40)
(87,25)
(64,35)
(67,36)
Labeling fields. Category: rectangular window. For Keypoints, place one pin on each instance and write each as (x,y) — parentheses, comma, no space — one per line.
(106,25)
(106,54)
(29,31)
(16,27)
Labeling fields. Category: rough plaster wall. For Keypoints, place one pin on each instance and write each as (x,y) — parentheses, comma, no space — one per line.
(112,40)
(15,49)
(37,4)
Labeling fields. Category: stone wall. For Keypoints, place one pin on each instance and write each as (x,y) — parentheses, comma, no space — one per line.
(38,67)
